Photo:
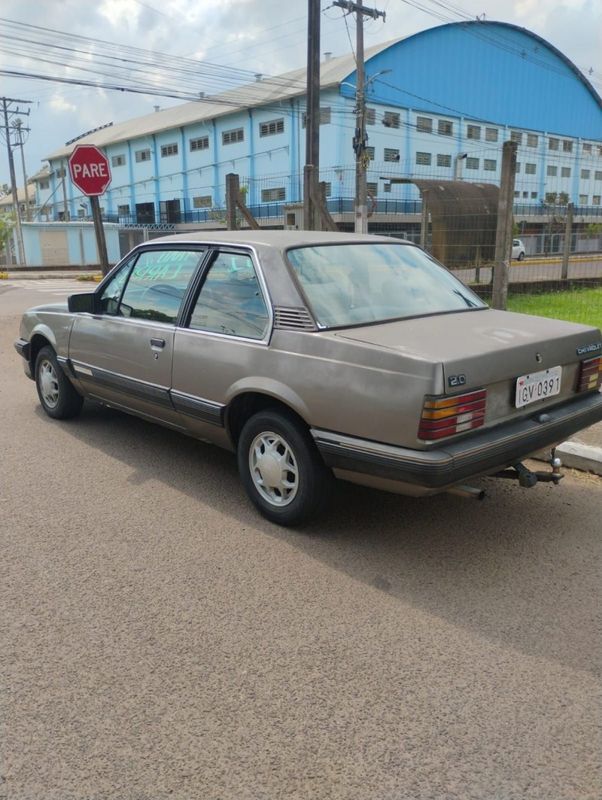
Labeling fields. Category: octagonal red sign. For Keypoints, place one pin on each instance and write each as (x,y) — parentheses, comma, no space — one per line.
(89,169)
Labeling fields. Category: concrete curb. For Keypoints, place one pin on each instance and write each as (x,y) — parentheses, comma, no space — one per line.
(581,456)
(575,455)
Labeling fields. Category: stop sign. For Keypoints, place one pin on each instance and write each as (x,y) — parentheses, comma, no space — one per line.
(89,170)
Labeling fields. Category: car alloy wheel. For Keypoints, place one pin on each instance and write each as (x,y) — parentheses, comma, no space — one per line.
(274,468)
(281,469)
(49,384)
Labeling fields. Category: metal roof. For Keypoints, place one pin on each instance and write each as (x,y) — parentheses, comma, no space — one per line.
(259,93)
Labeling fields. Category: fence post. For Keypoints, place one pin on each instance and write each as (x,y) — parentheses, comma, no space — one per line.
(424,221)
(568,235)
(232,192)
(503,235)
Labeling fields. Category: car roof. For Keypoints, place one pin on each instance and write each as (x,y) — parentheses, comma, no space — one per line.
(278,239)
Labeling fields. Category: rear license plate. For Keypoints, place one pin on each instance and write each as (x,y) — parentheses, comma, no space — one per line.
(537,386)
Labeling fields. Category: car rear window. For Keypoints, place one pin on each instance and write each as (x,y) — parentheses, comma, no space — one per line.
(357,283)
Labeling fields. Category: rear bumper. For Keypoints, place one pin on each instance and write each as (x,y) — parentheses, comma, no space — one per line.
(480,454)
(23,348)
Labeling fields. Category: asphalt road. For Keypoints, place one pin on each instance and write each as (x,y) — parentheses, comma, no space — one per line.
(159,640)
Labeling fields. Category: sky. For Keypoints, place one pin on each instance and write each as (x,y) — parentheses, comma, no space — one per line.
(264,36)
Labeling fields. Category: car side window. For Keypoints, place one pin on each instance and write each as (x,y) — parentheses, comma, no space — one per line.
(109,299)
(158,283)
(231,301)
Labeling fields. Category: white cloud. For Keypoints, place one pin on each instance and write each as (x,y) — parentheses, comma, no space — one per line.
(60,105)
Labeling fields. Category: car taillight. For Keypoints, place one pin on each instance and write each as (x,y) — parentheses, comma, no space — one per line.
(446,416)
(590,374)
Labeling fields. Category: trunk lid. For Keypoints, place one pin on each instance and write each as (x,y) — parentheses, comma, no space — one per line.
(490,349)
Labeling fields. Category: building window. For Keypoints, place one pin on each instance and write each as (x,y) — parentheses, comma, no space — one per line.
(369,151)
(272,127)
(596,200)
(372,189)
(525,195)
(390,119)
(143,155)
(124,210)
(585,173)
(327,189)
(533,195)
(516,194)
(553,144)
(202,201)
(233,136)
(370,116)
(490,164)
(516,136)
(118,161)
(445,128)
(552,170)
(565,172)
(169,149)
(517,167)
(587,148)
(532,140)
(491,134)
(44,184)
(424,124)
(567,146)
(582,199)
(423,158)
(324,116)
(391,154)
(530,169)
(443,160)
(473,131)
(60,172)
(472,163)
(598,175)
(202,143)
(272,195)
(387,188)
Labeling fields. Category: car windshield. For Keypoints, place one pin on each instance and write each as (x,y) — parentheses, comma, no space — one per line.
(355,284)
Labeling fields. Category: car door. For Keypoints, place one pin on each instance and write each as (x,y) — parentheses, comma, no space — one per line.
(122,355)
(223,339)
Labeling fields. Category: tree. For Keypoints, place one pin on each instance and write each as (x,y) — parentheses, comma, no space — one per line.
(7,223)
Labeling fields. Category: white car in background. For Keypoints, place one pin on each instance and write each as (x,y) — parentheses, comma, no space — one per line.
(518,249)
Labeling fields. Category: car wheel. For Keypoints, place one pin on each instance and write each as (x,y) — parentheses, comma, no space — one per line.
(281,468)
(56,392)
(521,255)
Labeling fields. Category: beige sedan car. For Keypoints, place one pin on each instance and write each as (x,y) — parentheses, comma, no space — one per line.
(313,355)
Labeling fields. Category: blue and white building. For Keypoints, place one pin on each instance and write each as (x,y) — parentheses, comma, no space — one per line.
(440,104)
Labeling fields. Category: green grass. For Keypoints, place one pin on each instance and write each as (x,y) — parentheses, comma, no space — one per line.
(577,305)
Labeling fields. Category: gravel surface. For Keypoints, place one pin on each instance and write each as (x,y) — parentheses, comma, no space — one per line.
(159,640)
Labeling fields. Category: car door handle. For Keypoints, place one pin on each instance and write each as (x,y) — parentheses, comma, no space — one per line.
(157,343)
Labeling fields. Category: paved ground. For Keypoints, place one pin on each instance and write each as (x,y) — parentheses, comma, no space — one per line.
(160,640)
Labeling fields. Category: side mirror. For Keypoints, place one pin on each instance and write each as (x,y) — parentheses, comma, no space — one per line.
(86,303)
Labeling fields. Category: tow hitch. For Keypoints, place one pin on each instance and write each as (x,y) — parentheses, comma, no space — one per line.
(527,478)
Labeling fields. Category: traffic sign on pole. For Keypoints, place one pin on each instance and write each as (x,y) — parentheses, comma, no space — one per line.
(89,169)
(91,174)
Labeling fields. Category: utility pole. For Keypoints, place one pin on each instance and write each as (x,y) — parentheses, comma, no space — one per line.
(311,172)
(18,126)
(503,234)
(8,112)
(360,139)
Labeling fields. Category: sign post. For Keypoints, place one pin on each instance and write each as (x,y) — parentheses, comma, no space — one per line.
(90,172)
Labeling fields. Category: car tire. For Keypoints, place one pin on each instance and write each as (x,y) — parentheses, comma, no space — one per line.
(57,394)
(271,441)
(521,255)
